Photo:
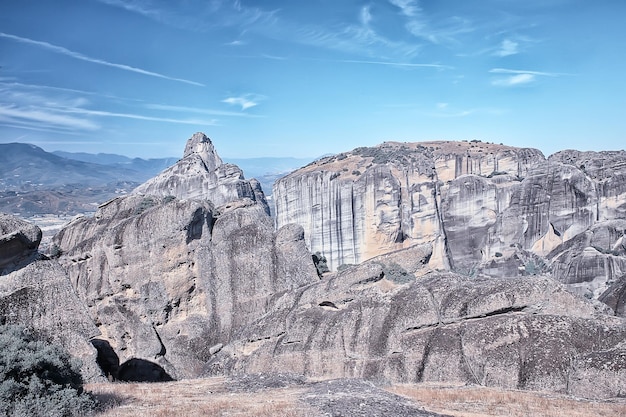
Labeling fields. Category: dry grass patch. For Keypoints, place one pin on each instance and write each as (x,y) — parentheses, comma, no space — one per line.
(190,398)
(490,402)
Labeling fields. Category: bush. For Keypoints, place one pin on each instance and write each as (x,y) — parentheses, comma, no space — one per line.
(38,378)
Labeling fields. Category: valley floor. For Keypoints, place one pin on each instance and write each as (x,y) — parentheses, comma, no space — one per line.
(290,396)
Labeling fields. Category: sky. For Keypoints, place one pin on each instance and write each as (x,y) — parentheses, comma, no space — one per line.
(308,78)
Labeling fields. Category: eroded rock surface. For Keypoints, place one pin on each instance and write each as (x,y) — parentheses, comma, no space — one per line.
(486,209)
(201,174)
(19,240)
(36,293)
(170,272)
(369,322)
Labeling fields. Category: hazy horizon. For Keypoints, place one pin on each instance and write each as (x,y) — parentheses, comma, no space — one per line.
(293,79)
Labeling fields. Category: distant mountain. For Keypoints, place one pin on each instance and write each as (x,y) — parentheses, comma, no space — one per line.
(25,167)
(145,168)
(33,181)
(266,170)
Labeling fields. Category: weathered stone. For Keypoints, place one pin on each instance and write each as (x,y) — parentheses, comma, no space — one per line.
(18,240)
(36,293)
(170,274)
(202,175)
(484,208)
(511,332)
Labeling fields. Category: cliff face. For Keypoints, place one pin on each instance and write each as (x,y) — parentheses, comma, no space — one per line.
(376,321)
(486,208)
(169,279)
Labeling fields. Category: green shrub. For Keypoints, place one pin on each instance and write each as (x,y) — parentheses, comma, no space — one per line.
(38,378)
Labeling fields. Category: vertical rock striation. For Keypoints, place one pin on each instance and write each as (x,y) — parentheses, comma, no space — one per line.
(486,208)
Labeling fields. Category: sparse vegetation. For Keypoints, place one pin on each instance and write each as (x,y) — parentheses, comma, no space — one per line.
(144,205)
(191,398)
(397,274)
(38,378)
(321,263)
(491,402)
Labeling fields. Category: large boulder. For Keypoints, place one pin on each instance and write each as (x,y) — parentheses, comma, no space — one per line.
(36,293)
(19,239)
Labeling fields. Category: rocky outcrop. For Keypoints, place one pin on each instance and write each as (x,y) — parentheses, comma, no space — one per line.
(457,239)
(487,209)
(18,240)
(169,274)
(373,322)
(202,175)
(36,293)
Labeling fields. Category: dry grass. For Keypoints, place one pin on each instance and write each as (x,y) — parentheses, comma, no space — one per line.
(211,397)
(190,398)
(490,402)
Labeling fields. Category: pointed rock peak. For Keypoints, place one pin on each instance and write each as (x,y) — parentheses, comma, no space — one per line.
(200,144)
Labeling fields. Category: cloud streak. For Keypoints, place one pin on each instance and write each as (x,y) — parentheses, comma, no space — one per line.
(211,112)
(246,101)
(519,77)
(395,64)
(77,55)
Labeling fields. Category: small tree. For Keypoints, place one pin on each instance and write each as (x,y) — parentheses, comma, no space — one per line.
(38,378)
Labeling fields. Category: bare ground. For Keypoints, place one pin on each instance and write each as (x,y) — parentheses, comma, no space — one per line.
(289,396)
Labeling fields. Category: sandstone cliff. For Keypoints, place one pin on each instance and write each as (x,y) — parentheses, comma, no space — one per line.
(171,271)
(487,209)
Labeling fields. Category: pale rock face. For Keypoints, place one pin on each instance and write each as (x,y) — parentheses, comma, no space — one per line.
(201,174)
(370,322)
(169,279)
(485,208)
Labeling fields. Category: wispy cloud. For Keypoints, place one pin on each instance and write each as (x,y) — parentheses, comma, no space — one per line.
(507,48)
(396,64)
(514,80)
(197,15)
(210,112)
(365,16)
(103,113)
(77,55)
(246,101)
(44,118)
(68,111)
(520,77)
(422,26)
(516,71)
(408,8)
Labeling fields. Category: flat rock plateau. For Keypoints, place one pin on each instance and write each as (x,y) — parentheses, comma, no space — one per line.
(385,271)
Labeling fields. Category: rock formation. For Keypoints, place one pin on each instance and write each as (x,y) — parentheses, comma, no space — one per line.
(171,271)
(453,245)
(376,321)
(36,293)
(487,209)
(201,174)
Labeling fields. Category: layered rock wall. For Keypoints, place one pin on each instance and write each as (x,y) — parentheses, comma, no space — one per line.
(486,208)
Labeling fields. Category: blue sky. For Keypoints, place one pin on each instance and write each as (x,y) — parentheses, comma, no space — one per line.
(306,78)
